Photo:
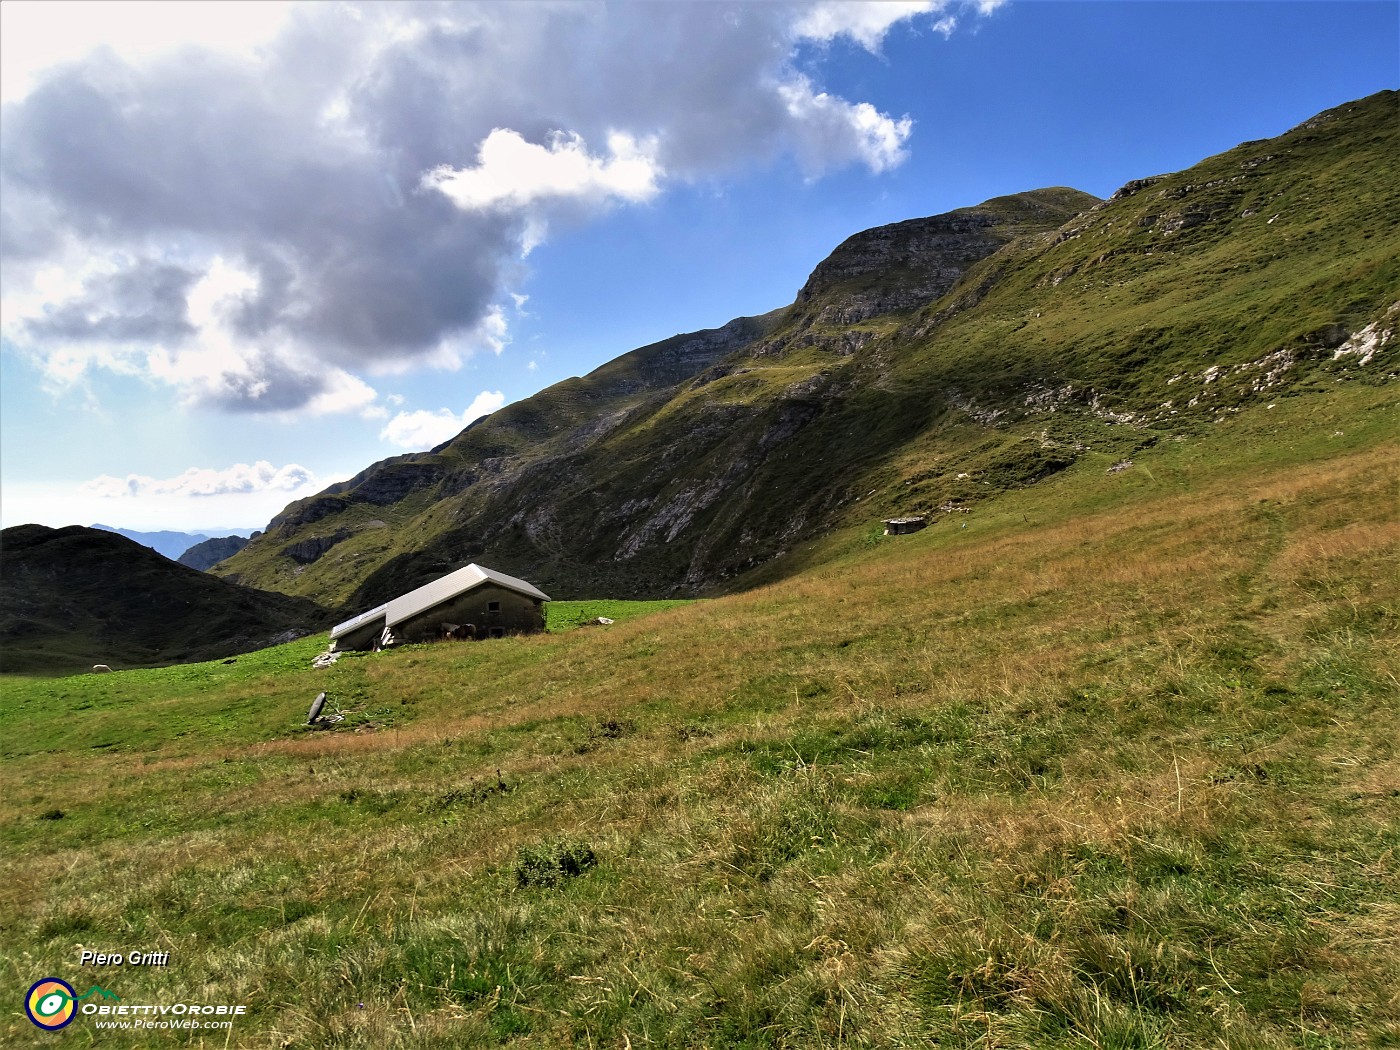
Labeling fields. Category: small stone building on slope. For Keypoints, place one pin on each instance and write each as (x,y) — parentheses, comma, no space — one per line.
(473,602)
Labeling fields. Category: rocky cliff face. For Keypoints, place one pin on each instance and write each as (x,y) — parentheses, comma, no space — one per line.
(923,367)
(210,552)
(906,265)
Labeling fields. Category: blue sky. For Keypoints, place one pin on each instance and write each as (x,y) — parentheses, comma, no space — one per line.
(250,249)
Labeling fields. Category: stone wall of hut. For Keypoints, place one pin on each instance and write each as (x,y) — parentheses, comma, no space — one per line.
(515,614)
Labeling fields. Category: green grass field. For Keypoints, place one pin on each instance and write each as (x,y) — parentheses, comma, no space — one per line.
(1114,766)
(565,616)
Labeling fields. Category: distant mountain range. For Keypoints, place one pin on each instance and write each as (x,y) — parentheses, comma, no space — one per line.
(174,544)
(75,597)
(924,367)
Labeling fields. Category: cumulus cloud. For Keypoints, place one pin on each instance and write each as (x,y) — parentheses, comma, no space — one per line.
(865,23)
(144,302)
(840,132)
(868,23)
(34,38)
(261,476)
(260,381)
(516,173)
(424,429)
(349,190)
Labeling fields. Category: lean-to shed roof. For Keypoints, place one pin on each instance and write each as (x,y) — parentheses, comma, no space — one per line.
(356,622)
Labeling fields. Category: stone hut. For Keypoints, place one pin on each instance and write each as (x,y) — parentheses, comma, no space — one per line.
(473,602)
(904,526)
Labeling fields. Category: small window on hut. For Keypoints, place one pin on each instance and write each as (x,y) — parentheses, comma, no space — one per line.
(493,606)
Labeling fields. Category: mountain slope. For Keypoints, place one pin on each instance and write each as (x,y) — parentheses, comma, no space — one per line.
(924,367)
(75,597)
(210,552)
(1124,776)
(545,486)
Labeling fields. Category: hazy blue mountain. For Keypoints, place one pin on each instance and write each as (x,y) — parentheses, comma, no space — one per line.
(171,544)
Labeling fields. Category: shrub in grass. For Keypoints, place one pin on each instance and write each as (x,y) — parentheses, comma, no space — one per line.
(605,729)
(549,863)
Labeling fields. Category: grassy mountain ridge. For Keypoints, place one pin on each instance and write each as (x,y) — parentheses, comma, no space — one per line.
(1161,311)
(415,493)
(75,597)
(547,485)
(924,367)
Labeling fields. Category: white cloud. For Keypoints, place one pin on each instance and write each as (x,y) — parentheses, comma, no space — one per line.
(865,23)
(261,476)
(179,330)
(483,404)
(223,288)
(494,331)
(838,132)
(491,333)
(424,429)
(38,34)
(340,392)
(223,373)
(231,505)
(514,173)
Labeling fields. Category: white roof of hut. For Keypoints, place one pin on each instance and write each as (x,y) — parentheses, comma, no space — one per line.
(443,589)
(355,622)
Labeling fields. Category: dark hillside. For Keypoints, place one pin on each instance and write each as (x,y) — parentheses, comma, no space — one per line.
(75,597)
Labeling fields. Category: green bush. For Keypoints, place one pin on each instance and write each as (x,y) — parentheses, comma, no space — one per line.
(549,863)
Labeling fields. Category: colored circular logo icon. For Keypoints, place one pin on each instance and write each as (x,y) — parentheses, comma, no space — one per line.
(51,1003)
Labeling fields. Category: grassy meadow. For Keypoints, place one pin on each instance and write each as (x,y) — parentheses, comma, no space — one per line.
(1113,766)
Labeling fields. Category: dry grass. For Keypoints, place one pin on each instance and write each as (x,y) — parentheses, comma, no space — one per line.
(1126,778)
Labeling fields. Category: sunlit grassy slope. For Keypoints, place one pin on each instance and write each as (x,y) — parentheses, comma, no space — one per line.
(1114,766)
